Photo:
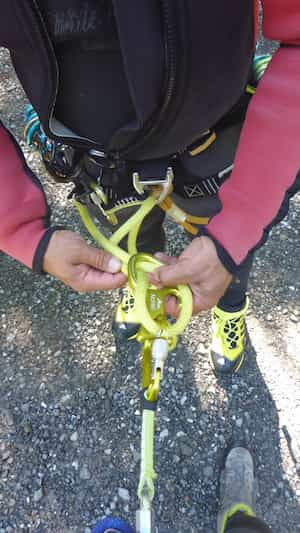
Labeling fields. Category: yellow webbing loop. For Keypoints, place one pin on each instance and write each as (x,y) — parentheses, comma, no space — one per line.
(181,217)
(201,147)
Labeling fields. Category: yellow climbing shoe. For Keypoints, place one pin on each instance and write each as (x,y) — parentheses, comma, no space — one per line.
(228,339)
(126,323)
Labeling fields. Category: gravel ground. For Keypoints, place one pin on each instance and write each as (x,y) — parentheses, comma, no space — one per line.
(69,410)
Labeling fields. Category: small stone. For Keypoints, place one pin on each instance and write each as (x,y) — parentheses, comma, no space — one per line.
(124,494)
(27,429)
(84,473)
(208,472)
(38,494)
(74,436)
(5,455)
(293,318)
(201,349)
(269,317)
(75,464)
(186,450)
(163,434)
(65,398)
(107,451)
(7,417)
(239,422)
(183,399)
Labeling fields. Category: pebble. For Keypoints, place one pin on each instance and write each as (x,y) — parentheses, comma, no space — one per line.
(183,399)
(201,349)
(27,428)
(239,422)
(37,495)
(163,434)
(208,472)
(84,473)
(186,450)
(74,436)
(75,464)
(294,318)
(124,494)
(5,455)
(65,398)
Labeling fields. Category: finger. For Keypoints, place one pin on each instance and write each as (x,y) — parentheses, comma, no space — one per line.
(164,258)
(171,306)
(174,274)
(99,259)
(94,280)
(167,259)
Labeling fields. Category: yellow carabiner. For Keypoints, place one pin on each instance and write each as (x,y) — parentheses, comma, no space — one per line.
(153,390)
(138,266)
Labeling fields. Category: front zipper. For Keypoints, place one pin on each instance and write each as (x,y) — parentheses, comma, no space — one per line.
(52,60)
(153,126)
(79,142)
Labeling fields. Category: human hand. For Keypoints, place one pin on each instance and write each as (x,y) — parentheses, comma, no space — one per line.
(200,268)
(82,267)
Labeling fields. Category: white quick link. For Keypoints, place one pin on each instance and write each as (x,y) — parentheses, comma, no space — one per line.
(160,350)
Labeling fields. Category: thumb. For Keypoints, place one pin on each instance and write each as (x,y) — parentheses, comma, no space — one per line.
(164,258)
(99,259)
(175,274)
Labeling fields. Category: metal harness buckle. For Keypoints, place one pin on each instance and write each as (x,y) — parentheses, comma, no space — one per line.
(165,183)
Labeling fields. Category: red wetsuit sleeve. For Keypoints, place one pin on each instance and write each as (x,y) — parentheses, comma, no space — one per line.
(268,157)
(24,213)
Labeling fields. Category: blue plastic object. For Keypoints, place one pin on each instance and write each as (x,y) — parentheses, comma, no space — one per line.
(112,523)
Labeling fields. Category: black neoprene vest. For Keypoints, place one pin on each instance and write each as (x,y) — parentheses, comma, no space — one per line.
(185,63)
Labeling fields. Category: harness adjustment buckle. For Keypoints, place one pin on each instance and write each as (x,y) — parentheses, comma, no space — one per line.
(165,184)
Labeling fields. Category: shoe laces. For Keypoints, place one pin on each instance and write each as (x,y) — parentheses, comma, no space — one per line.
(128,301)
(231,329)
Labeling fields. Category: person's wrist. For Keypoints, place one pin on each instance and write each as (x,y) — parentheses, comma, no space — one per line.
(39,261)
(223,255)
